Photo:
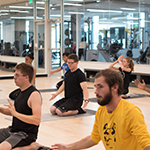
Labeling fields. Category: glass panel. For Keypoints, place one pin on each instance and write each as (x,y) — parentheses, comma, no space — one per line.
(55,44)
(41,59)
(40,35)
(73,25)
(55,35)
(55,9)
(40,7)
(56,62)
(16,29)
(110,28)
(40,43)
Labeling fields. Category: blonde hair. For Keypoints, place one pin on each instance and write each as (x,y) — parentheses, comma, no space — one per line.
(131,63)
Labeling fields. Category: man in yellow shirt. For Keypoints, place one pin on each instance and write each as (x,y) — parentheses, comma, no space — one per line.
(118,123)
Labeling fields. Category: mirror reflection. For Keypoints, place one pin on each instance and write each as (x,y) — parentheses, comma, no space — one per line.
(96,30)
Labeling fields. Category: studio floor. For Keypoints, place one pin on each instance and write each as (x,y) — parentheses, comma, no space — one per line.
(71,129)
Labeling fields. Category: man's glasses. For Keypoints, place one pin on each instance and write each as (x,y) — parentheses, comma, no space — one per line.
(70,63)
(17,75)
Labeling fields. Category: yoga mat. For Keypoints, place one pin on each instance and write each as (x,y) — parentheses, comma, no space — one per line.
(136,95)
(52,90)
(48,90)
(50,117)
(130,96)
(93,100)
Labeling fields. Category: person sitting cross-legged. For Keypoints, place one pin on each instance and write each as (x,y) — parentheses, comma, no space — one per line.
(26,112)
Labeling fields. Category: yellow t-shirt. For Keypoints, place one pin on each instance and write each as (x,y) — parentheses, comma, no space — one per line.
(123,129)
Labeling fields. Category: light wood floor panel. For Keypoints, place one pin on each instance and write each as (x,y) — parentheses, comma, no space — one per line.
(67,130)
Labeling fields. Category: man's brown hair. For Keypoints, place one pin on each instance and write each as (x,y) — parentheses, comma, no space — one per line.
(112,77)
(74,57)
(25,69)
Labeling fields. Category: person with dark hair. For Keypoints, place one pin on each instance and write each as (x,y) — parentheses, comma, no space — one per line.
(126,68)
(75,88)
(82,48)
(26,111)
(119,124)
(64,67)
(29,59)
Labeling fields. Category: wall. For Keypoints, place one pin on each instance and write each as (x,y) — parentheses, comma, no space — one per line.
(103,65)
(8,35)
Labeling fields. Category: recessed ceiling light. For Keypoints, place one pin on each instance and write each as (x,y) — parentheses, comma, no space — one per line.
(4,14)
(127,8)
(21,7)
(40,2)
(76,13)
(104,22)
(130,22)
(100,10)
(19,11)
(4,10)
(71,4)
(74,0)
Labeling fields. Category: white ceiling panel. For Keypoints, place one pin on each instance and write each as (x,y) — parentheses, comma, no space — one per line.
(141,1)
(8,2)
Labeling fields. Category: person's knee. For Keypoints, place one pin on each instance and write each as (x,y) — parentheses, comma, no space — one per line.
(5,146)
(59,113)
(53,110)
(32,146)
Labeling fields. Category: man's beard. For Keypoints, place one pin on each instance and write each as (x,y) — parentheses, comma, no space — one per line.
(104,101)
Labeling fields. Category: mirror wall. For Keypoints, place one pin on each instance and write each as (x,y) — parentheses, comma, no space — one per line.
(96,30)
(102,30)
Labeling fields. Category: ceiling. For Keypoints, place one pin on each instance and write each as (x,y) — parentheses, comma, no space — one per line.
(8,2)
(86,4)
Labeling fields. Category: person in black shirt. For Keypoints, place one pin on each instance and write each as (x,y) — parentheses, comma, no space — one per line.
(29,59)
(26,112)
(75,88)
(126,67)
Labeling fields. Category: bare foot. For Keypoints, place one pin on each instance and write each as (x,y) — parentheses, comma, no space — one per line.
(35,146)
(124,96)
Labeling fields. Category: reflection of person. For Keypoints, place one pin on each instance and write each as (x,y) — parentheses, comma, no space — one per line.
(75,87)
(118,123)
(26,111)
(126,67)
(141,85)
(29,59)
(82,48)
(64,67)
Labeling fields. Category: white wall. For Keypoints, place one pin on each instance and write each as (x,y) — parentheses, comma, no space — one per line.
(84,64)
(103,65)
(12,59)
(8,34)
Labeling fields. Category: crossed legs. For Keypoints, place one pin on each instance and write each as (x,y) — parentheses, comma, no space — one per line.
(56,111)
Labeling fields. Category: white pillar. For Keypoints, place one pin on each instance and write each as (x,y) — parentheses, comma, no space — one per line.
(47,54)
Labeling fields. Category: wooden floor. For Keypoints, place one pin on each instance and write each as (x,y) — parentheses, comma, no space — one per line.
(67,130)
